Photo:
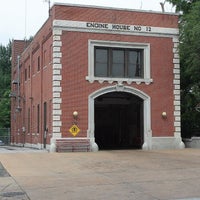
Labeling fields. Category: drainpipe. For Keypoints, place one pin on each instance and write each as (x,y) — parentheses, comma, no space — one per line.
(18,84)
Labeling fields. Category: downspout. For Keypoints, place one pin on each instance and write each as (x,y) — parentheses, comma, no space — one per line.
(18,84)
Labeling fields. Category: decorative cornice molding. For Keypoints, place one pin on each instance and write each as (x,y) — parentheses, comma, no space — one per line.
(118,80)
(109,28)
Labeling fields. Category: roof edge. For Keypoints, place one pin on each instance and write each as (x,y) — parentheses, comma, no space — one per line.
(112,8)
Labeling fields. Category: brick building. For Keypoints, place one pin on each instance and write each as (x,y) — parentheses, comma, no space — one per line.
(98,78)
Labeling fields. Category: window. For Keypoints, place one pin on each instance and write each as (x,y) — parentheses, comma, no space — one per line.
(45,58)
(121,63)
(118,61)
(29,71)
(50,53)
(38,118)
(45,115)
(29,120)
(33,67)
(25,75)
(38,66)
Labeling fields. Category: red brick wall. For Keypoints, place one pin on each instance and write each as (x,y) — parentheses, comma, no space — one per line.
(18,47)
(37,89)
(114,16)
(76,89)
(75,64)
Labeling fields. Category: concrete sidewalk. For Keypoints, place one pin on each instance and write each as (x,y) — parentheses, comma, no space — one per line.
(112,175)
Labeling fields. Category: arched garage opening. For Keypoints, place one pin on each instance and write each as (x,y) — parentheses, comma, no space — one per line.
(147,133)
(119,121)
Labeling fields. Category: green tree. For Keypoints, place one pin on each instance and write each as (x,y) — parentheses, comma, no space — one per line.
(5,74)
(183,5)
(190,69)
(5,110)
(190,64)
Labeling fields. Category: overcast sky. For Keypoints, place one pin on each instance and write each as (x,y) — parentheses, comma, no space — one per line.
(21,19)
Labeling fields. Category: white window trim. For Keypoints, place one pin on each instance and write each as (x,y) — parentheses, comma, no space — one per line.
(101,43)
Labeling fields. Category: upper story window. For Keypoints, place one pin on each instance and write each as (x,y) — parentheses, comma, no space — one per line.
(25,74)
(38,118)
(38,63)
(29,71)
(118,61)
(45,57)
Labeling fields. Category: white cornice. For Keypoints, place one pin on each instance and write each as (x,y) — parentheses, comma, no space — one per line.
(110,28)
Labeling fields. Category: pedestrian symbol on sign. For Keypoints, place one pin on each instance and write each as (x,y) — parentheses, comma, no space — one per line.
(74,130)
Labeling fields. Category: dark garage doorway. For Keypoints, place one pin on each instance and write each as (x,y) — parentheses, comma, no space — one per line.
(119,121)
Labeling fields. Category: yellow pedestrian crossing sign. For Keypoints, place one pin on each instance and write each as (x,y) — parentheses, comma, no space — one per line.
(74,130)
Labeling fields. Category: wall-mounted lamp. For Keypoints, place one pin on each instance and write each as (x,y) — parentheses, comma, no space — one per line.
(12,95)
(75,114)
(18,109)
(164,115)
(23,129)
(15,82)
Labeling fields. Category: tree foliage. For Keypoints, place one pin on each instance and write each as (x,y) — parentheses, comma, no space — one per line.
(5,74)
(190,68)
(190,64)
(182,5)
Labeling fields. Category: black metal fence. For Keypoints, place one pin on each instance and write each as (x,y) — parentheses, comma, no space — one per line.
(5,135)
